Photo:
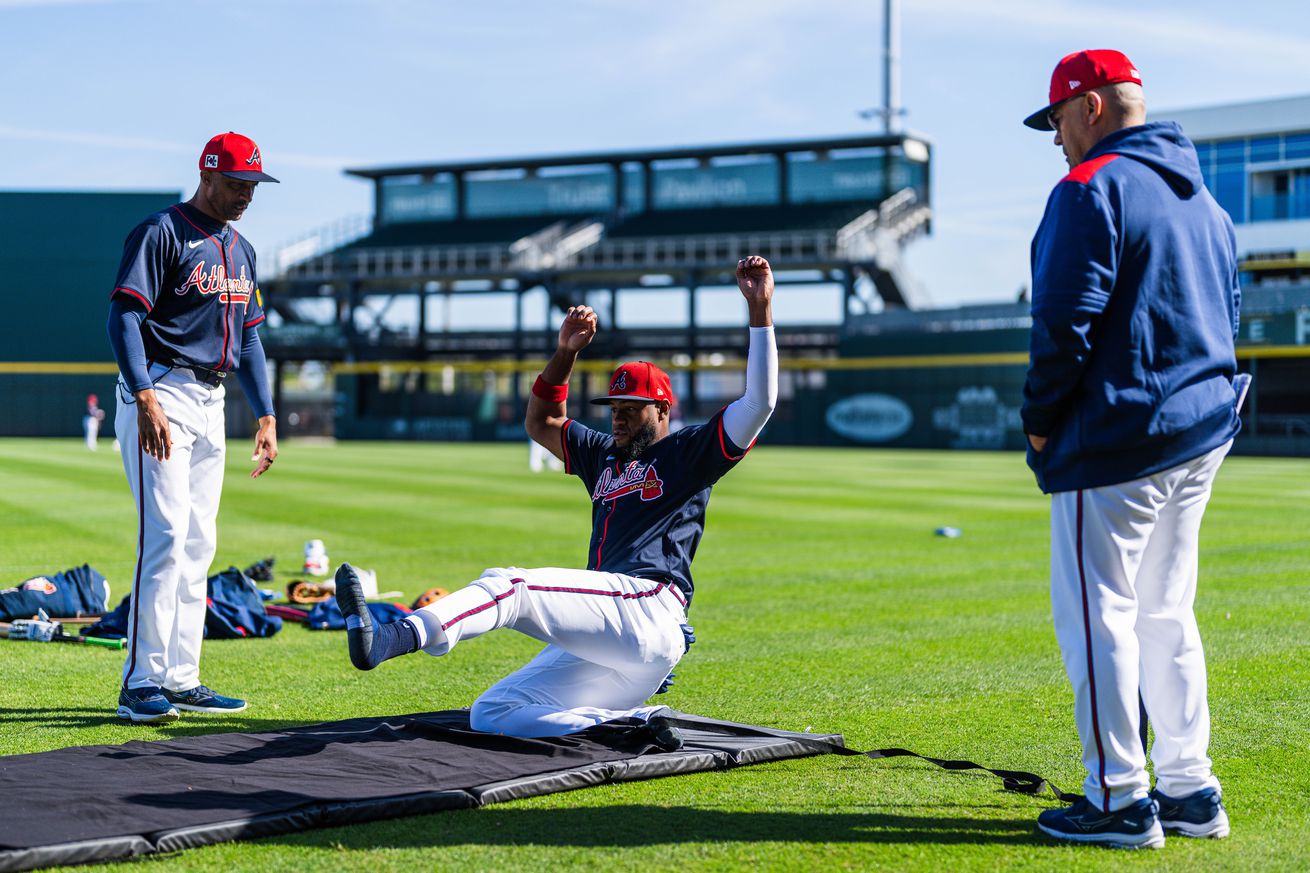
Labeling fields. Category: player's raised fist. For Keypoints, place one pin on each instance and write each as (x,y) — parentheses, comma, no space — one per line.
(755,279)
(578,329)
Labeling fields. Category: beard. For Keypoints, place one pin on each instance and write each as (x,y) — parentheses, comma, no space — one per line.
(640,442)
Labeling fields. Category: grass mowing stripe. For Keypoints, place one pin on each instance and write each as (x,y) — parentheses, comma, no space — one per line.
(823,599)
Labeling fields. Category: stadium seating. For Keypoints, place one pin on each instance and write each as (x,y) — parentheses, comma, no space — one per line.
(739,219)
(473,232)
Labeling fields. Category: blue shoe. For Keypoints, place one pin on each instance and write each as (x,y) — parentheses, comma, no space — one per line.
(359,621)
(1200,814)
(145,706)
(202,699)
(1133,827)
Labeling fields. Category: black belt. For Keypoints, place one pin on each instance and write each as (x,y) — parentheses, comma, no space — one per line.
(203,375)
(212,378)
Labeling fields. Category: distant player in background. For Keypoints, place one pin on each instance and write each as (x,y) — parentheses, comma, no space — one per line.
(182,316)
(614,631)
(540,458)
(1130,408)
(91,421)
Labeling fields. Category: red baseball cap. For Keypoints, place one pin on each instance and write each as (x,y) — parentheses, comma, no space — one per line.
(638,380)
(235,155)
(1081,72)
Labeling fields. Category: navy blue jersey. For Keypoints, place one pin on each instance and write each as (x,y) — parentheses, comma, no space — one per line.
(196,278)
(648,516)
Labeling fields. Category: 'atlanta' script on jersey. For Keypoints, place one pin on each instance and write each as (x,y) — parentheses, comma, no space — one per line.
(236,290)
(638,478)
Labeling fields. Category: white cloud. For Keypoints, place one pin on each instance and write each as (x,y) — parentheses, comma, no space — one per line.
(127,143)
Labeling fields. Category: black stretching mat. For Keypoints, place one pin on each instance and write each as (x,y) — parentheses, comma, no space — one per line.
(102,803)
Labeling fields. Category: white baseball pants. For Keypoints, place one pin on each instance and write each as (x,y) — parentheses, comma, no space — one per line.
(177,504)
(1123,583)
(611,640)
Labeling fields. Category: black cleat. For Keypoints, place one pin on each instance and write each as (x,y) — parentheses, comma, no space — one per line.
(664,735)
(359,621)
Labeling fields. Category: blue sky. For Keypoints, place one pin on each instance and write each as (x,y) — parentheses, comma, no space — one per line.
(121,94)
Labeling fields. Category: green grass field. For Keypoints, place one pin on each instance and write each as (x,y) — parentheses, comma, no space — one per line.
(823,600)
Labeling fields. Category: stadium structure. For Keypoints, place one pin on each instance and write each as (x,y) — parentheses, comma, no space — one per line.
(430,319)
(531,236)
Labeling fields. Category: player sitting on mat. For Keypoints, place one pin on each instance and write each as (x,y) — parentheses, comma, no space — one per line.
(614,631)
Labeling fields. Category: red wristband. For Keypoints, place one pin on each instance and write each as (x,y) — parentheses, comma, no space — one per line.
(549,392)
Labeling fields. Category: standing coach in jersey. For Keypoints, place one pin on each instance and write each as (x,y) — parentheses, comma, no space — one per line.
(1129,408)
(182,318)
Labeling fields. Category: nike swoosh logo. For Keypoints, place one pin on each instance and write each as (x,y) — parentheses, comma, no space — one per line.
(192,245)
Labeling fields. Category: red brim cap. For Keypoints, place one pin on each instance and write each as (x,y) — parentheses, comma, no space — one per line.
(235,156)
(638,380)
(1079,73)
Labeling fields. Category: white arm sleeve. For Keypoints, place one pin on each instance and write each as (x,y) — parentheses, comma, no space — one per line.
(746,416)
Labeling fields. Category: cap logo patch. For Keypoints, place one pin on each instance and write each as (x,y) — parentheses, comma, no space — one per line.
(211,162)
(1074,83)
(254,159)
(620,382)
(1135,74)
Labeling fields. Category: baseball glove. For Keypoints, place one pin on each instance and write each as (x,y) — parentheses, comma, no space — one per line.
(432,595)
(300,591)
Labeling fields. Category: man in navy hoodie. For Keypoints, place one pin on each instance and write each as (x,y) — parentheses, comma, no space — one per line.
(1130,408)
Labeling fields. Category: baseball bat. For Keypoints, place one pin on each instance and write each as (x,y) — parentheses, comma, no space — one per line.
(105,642)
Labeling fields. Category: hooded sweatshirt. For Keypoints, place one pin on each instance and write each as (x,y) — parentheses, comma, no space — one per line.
(1135,310)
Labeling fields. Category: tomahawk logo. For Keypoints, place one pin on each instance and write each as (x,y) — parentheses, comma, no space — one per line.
(211,162)
(620,382)
(637,479)
(254,160)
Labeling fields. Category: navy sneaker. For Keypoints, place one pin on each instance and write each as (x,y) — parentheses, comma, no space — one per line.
(145,706)
(1133,827)
(359,621)
(202,699)
(1200,814)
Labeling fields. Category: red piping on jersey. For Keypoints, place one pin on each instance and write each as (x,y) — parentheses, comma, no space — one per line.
(605,530)
(253,323)
(227,307)
(140,556)
(1091,675)
(198,227)
(1084,172)
(723,446)
(564,445)
(227,312)
(134,294)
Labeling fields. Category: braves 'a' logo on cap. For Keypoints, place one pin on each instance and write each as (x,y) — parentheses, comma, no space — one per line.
(620,382)
(254,160)
(211,162)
